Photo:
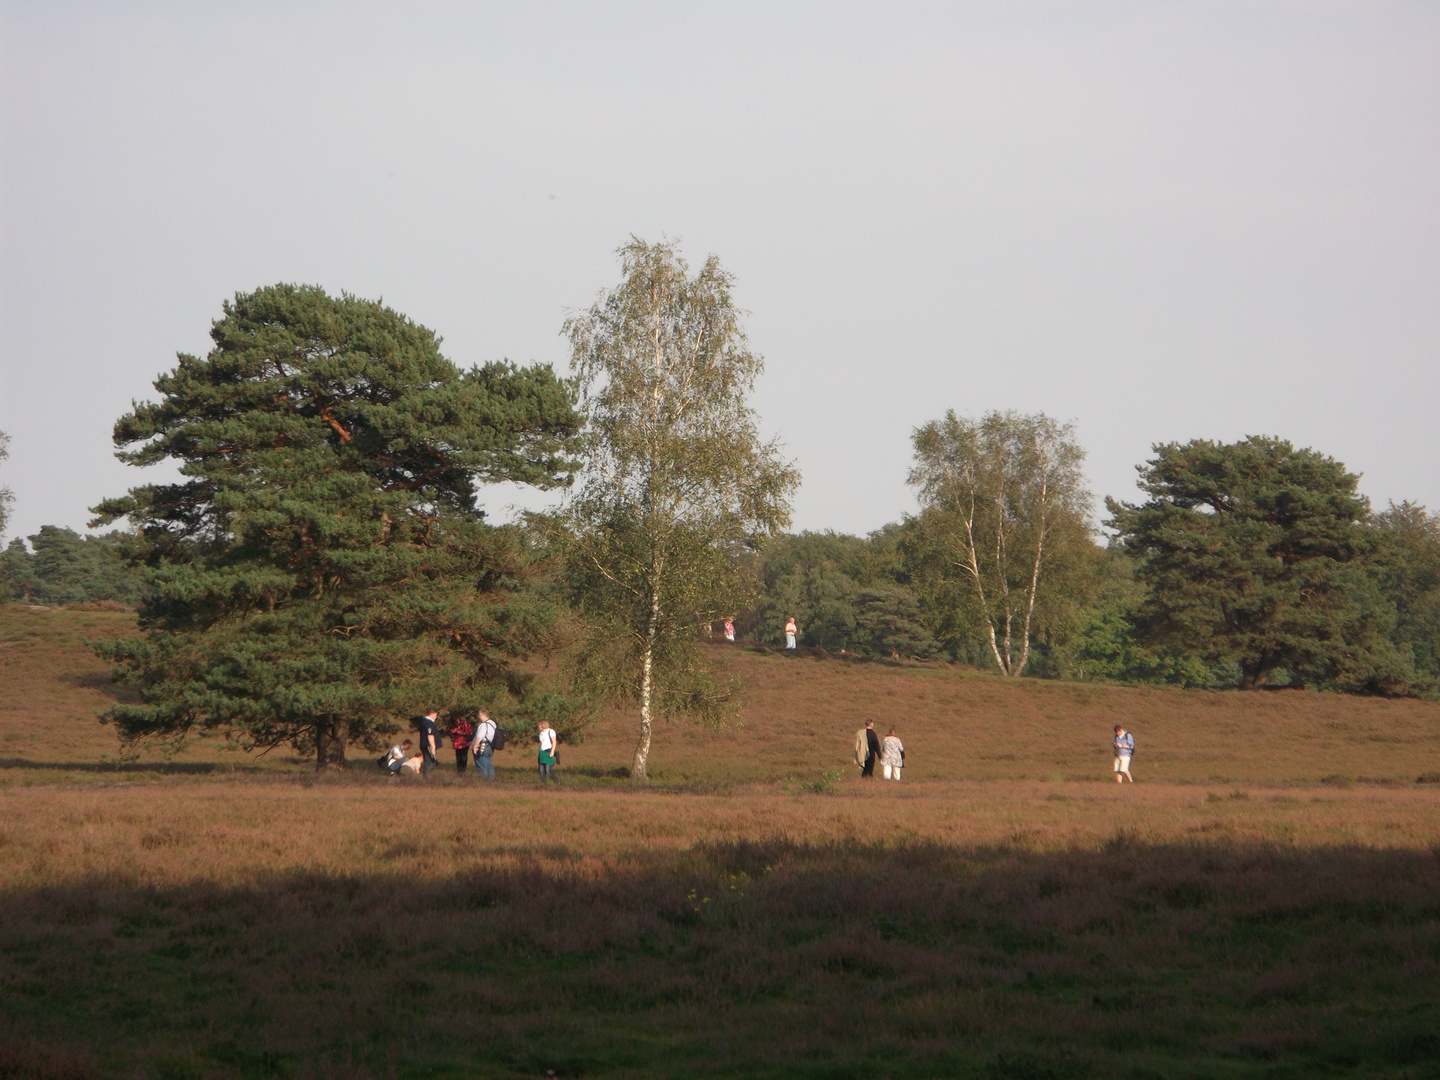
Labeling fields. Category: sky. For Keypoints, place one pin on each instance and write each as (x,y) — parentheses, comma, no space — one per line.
(1162,222)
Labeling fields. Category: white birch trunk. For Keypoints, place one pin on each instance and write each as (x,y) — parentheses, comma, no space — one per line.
(647,687)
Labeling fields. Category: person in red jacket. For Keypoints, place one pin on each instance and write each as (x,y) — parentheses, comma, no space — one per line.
(461,732)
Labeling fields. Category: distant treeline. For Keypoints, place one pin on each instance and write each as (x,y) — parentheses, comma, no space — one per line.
(881,596)
(62,567)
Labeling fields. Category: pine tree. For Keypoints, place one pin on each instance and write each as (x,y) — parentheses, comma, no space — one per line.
(1254,555)
(322,568)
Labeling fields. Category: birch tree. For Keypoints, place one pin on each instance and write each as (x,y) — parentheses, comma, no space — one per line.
(1004,508)
(677,485)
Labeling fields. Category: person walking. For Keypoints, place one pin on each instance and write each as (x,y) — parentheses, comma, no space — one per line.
(1124,751)
(790,631)
(483,748)
(730,631)
(892,756)
(429,739)
(867,748)
(549,752)
(461,732)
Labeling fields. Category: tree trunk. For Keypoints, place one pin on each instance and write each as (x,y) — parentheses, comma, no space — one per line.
(330,732)
(647,688)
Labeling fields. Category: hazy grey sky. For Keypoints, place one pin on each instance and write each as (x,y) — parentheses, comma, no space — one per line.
(1163,221)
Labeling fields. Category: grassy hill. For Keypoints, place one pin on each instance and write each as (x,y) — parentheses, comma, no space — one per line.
(797,720)
(1262,905)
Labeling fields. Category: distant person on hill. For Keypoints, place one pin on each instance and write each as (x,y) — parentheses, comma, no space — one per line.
(392,761)
(790,631)
(730,631)
(892,756)
(549,752)
(429,739)
(461,731)
(867,748)
(1124,751)
(483,748)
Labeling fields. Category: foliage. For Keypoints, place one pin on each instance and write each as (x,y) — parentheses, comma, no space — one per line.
(17,573)
(1407,568)
(846,593)
(322,568)
(1004,528)
(1106,644)
(67,568)
(7,497)
(1253,554)
(678,483)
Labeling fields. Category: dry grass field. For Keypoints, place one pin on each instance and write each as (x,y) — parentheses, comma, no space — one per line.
(1264,903)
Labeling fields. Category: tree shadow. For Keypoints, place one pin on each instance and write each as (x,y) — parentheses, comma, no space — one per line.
(737,959)
(103,684)
(176,768)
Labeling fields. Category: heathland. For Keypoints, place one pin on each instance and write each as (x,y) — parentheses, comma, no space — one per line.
(1264,902)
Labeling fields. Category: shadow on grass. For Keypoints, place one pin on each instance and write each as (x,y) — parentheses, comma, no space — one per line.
(175,768)
(743,959)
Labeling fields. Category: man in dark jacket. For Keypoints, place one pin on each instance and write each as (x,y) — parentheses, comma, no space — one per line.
(429,739)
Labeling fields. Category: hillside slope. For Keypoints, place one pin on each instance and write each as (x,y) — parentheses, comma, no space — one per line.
(797,720)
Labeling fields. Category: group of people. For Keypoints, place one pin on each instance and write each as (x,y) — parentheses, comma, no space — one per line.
(889,752)
(471,742)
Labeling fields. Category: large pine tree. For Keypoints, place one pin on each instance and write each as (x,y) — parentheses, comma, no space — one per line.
(322,568)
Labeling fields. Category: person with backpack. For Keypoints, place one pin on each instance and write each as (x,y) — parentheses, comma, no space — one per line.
(1124,751)
(549,752)
(488,739)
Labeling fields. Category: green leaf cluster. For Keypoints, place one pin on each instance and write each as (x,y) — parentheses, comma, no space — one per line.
(846,593)
(67,568)
(678,485)
(1256,554)
(322,567)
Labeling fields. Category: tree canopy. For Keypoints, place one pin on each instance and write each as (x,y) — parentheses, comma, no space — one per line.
(322,567)
(67,568)
(1004,519)
(1254,554)
(7,497)
(677,481)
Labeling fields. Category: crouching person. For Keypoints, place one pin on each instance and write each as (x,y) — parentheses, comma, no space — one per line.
(393,761)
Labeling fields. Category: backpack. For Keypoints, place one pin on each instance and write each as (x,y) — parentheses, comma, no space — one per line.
(498,743)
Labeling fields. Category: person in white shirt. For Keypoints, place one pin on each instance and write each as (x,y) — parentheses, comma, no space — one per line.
(549,743)
(392,761)
(483,748)
(892,756)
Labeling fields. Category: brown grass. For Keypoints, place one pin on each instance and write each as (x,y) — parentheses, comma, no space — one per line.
(947,929)
(1004,912)
(797,719)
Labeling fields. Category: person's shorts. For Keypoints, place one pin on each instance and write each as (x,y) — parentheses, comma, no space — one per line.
(1122,763)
